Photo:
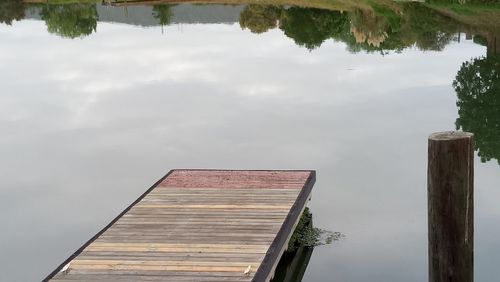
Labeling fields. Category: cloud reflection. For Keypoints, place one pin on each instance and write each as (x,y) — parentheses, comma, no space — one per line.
(88,124)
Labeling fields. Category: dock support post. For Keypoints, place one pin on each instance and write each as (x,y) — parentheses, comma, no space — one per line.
(450,199)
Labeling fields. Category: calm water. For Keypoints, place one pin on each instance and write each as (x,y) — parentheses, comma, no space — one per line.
(98,102)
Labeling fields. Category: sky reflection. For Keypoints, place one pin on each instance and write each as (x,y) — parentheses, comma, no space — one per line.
(88,124)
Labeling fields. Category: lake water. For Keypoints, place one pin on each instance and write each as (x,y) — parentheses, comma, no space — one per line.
(97,102)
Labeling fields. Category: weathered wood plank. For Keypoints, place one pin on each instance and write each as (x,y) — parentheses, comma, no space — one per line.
(213,206)
(450,192)
(197,225)
(139,275)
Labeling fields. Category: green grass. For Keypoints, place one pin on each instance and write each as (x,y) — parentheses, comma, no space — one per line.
(58,2)
(466,9)
(474,15)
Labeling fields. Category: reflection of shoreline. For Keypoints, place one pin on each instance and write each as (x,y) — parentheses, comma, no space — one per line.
(376,28)
(144,15)
(337,5)
(469,15)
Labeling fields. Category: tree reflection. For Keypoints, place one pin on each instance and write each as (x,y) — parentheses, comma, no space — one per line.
(310,27)
(368,27)
(430,30)
(162,13)
(260,18)
(376,26)
(478,89)
(71,21)
(11,10)
(379,28)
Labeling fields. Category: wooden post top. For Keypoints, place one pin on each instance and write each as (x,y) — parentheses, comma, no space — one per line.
(450,135)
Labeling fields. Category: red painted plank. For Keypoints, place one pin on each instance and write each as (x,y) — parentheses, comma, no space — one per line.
(236,179)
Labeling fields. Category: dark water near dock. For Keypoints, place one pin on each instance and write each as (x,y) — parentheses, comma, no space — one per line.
(98,101)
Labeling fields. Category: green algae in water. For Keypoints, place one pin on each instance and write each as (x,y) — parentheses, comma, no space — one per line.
(308,236)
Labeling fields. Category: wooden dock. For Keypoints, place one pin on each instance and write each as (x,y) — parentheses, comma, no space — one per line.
(197,225)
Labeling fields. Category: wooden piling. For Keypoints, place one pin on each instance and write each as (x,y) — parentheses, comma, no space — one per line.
(450,196)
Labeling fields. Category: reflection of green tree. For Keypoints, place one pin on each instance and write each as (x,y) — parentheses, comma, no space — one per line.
(478,89)
(311,27)
(75,20)
(368,27)
(428,29)
(385,29)
(260,18)
(11,10)
(162,13)
(379,28)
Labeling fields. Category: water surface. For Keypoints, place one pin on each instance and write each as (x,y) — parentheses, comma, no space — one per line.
(97,102)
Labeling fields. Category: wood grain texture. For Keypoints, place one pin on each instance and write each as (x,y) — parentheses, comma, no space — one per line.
(197,225)
(450,191)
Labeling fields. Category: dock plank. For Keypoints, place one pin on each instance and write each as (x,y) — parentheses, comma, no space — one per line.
(197,225)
